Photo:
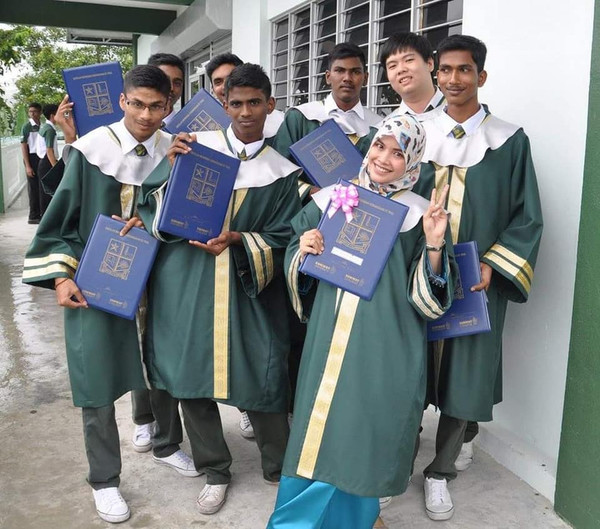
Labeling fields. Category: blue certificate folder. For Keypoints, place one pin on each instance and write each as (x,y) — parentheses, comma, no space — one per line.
(356,252)
(469,312)
(202,112)
(113,270)
(326,155)
(198,193)
(95,92)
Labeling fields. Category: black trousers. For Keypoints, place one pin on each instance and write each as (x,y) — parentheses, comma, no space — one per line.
(33,189)
(43,167)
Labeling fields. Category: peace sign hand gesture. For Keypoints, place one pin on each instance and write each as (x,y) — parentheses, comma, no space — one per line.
(435,219)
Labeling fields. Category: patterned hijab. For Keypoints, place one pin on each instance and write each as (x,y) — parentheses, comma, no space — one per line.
(410,135)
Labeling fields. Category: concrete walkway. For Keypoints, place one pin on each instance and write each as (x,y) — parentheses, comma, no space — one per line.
(43,465)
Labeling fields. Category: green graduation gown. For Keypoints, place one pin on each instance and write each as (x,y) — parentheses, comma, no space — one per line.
(103,352)
(217,326)
(362,377)
(494,200)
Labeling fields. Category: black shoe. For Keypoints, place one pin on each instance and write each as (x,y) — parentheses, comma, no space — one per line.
(33,221)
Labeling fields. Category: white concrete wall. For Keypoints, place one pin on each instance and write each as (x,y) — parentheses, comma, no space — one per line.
(144,48)
(251,32)
(539,68)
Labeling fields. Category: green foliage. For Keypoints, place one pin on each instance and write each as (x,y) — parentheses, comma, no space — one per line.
(20,117)
(13,44)
(45,51)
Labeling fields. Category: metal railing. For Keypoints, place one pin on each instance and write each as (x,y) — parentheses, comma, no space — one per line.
(12,171)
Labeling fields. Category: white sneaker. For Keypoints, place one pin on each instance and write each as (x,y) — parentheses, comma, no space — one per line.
(465,458)
(438,503)
(179,461)
(246,428)
(212,498)
(142,437)
(384,502)
(110,505)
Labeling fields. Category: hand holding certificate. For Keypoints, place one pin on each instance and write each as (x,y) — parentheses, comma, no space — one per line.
(198,193)
(353,241)
(94,91)
(114,268)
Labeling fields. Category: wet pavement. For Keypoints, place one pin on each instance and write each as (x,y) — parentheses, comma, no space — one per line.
(43,464)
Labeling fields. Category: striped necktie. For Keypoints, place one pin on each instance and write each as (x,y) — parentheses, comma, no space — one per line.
(140,150)
(242,155)
(458,132)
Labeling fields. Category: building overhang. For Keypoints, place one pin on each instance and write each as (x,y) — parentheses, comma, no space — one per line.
(119,16)
(202,22)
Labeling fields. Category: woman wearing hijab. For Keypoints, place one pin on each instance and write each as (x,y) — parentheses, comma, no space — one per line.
(362,378)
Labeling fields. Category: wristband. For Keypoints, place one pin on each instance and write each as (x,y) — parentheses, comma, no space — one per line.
(432,248)
(60,282)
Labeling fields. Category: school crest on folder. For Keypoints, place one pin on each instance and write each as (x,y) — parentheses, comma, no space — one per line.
(328,157)
(203,185)
(358,233)
(118,259)
(97,98)
(203,121)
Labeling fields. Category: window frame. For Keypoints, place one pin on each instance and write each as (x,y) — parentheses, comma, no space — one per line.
(287,98)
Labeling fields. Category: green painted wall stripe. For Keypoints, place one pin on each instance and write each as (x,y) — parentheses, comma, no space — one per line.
(79,15)
(579,457)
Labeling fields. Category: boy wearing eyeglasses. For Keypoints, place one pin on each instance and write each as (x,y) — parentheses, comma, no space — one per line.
(103,172)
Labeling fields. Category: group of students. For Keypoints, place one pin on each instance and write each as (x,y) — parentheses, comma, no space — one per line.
(39,148)
(234,321)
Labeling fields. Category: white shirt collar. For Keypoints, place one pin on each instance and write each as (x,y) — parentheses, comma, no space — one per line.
(128,142)
(331,106)
(32,121)
(239,146)
(48,122)
(469,126)
(434,102)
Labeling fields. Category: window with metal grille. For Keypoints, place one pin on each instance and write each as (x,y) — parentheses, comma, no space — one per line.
(302,39)
(196,73)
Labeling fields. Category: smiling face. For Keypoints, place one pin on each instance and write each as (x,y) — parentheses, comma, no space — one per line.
(346,78)
(144,110)
(248,108)
(410,75)
(386,160)
(459,80)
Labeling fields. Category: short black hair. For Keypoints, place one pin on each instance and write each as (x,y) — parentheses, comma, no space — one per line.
(220,60)
(35,105)
(403,41)
(49,110)
(158,59)
(147,76)
(251,75)
(473,45)
(345,50)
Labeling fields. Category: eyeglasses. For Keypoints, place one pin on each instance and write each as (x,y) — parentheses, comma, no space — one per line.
(138,106)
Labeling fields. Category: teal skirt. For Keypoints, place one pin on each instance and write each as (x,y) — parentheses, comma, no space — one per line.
(306,504)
